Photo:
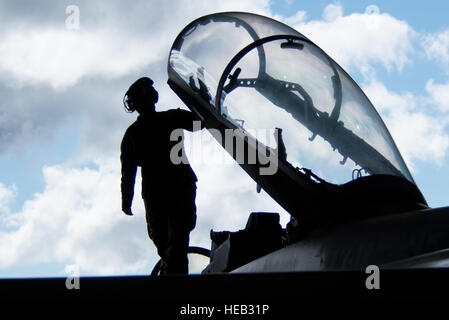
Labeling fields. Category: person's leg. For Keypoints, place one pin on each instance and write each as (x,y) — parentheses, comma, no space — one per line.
(181,220)
(157,227)
(178,244)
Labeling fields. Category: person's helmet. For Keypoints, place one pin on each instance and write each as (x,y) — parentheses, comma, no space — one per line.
(139,94)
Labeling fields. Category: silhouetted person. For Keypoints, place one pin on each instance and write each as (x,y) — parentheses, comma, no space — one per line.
(168,190)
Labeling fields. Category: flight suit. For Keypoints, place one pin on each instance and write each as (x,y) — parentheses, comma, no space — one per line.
(168,189)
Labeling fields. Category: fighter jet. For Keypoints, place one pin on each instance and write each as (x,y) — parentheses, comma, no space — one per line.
(300,126)
(325,156)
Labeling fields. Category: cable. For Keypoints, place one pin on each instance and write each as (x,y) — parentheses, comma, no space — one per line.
(195,250)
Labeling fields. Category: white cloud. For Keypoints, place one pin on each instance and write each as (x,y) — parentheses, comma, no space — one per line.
(77,219)
(418,135)
(332,12)
(358,40)
(7,193)
(439,94)
(62,57)
(436,46)
(299,17)
(117,41)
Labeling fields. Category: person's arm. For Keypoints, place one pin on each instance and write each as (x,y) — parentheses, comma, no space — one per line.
(187,120)
(129,169)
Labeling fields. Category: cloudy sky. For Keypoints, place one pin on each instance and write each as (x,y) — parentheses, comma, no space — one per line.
(61,117)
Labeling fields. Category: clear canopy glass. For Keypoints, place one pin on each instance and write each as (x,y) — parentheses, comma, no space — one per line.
(259,75)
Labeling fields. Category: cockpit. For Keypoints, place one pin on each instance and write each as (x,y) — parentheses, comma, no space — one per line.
(250,73)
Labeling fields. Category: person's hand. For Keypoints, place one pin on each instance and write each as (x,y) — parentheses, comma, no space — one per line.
(127,211)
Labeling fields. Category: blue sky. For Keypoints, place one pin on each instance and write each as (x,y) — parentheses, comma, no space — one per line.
(61,118)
